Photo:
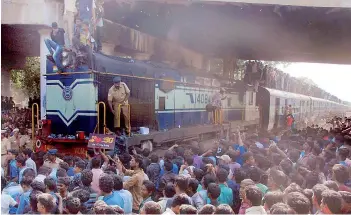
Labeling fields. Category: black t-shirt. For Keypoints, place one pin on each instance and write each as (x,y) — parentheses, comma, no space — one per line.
(59,38)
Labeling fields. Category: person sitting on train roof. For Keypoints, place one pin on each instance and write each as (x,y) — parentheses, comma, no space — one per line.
(56,44)
(118,94)
(52,161)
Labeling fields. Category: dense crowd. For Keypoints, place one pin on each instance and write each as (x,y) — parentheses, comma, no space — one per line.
(301,171)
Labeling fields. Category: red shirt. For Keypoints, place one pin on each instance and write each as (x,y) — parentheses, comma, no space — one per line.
(289,120)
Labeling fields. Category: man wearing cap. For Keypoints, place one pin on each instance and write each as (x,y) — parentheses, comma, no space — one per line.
(15,140)
(52,161)
(55,45)
(118,94)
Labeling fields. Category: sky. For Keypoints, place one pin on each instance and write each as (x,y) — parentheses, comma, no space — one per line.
(333,78)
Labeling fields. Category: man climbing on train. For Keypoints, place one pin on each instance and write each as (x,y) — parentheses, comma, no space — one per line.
(216,104)
(118,94)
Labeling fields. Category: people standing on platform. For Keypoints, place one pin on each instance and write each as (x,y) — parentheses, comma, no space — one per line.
(56,44)
(118,95)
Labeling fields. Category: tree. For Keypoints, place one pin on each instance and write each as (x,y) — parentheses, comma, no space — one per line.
(28,79)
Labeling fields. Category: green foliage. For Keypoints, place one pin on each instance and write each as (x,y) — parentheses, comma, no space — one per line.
(28,79)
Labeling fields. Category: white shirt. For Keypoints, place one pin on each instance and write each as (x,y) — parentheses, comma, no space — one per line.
(168,212)
(31,164)
(70,5)
(6,202)
(40,178)
(256,210)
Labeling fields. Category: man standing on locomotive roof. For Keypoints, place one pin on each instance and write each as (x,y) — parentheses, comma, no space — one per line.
(118,94)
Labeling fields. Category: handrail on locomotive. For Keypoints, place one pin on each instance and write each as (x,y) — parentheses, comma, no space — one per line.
(33,123)
(98,117)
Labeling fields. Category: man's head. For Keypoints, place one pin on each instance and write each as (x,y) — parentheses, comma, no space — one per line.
(136,162)
(331,202)
(187,209)
(207,179)
(169,191)
(117,183)
(181,184)
(346,196)
(86,177)
(16,132)
(340,173)
(192,187)
(117,81)
(46,203)
(25,183)
(271,198)
(147,189)
(78,22)
(181,199)
(20,161)
(224,209)
(207,209)
(253,195)
(50,184)
(248,158)
(80,165)
(151,208)
(318,189)
(73,205)
(281,208)
(95,163)
(213,191)
(298,202)
(63,183)
(224,159)
(52,155)
(106,183)
(222,175)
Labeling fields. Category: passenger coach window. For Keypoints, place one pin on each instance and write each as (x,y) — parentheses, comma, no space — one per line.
(161,103)
(251,98)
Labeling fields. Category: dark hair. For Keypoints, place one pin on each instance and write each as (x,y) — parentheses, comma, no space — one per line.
(199,174)
(286,165)
(38,185)
(343,153)
(239,175)
(254,174)
(28,152)
(29,172)
(193,184)
(318,189)
(50,183)
(61,173)
(299,202)
(182,182)
(150,186)
(208,178)
(26,181)
(86,177)
(309,194)
(346,196)
(273,197)
(187,209)
(151,208)
(181,199)
(169,190)
(213,190)
(169,155)
(281,208)
(222,175)
(333,200)
(73,205)
(168,165)
(81,194)
(43,170)
(224,209)
(247,155)
(341,173)
(207,209)
(80,164)
(106,183)
(232,155)
(138,159)
(254,195)
(154,158)
(47,201)
(117,183)
(332,185)
(64,180)
(146,152)
(293,187)
(294,155)
(64,166)
(95,163)
(21,160)
(179,151)
(33,200)
(278,177)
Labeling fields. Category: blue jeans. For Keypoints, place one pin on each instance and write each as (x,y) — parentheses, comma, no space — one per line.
(55,50)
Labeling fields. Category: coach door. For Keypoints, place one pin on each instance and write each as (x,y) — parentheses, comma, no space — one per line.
(276,112)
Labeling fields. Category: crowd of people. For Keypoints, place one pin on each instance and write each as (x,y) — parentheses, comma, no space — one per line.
(294,172)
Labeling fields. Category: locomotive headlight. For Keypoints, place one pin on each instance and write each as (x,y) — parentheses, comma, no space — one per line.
(64,54)
(65,62)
